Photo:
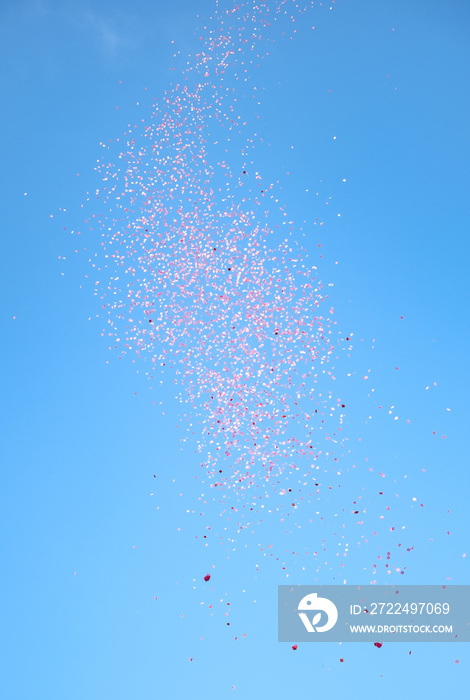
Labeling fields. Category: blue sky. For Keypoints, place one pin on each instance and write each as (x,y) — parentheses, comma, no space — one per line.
(375,95)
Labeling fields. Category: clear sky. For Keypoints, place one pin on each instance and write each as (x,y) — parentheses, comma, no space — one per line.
(366,116)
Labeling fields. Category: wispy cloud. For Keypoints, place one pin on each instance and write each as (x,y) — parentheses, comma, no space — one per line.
(105,32)
(36,8)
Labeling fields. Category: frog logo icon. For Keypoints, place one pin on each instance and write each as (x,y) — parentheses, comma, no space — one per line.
(311,603)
